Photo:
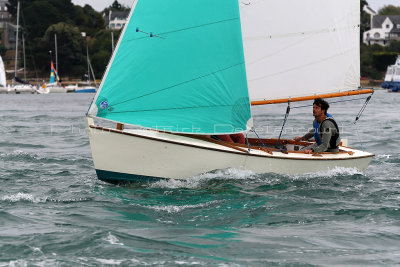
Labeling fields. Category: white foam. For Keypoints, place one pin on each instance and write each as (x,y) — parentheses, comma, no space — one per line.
(177,209)
(17,152)
(186,263)
(23,197)
(19,263)
(337,171)
(36,251)
(175,183)
(230,173)
(195,181)
(384,156)
(109,262)
(113,240)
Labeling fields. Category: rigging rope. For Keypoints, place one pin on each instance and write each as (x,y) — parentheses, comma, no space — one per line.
(359,116)
(248,144)
(254,131)
(363,108)
(284,122)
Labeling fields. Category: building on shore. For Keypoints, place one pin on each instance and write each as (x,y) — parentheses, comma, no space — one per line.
(7,28)
(384,29)
(116,20)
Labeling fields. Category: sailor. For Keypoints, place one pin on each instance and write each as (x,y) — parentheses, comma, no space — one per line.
(325,130)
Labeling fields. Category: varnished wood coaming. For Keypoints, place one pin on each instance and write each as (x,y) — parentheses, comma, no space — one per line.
(241,148)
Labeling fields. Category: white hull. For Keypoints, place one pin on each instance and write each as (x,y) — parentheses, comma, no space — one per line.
(19,89)
(83,89)
(143,154)
(57,89)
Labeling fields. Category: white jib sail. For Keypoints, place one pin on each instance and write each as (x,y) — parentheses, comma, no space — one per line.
(300,48)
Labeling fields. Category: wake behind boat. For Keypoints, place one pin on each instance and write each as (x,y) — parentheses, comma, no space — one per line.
(191,70)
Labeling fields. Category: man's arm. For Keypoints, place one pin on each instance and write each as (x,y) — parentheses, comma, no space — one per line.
(306,136)
(309,135)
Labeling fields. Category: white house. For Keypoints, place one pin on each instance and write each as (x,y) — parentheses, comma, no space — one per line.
(116,20)
(384,29)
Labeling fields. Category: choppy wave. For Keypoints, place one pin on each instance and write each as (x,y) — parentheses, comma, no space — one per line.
(21,145)
(177,209)
(249,176)
(24,197)
(335,172)
(31,157)
(113,240)
(383,156)
(198,180)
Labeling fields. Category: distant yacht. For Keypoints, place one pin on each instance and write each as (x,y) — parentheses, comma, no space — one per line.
(392,77)
(22,87)
(53,86)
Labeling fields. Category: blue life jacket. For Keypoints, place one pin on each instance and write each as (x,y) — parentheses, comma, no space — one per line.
(316,130)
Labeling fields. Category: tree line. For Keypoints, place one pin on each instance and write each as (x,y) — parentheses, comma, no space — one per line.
(41,20)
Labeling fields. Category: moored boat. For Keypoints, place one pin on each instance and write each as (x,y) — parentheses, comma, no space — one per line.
(22,89)
(54,86)
(392,77)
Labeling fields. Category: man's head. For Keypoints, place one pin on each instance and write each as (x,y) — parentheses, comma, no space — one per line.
(321,105)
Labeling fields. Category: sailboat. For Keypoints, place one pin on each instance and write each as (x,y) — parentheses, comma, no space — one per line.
(392,77)
(22,87)
(185,70)
(53,85)
(87,87)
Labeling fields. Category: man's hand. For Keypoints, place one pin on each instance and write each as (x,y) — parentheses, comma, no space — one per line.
(298,138)
(308,151)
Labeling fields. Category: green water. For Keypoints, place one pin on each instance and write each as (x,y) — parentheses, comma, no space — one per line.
(55,212)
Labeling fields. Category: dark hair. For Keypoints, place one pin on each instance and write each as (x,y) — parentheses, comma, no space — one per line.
(322,104)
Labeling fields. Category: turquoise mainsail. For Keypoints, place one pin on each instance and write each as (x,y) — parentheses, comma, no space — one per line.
(179,67)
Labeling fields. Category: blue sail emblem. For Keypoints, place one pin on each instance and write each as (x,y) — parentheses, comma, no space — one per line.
(104,104)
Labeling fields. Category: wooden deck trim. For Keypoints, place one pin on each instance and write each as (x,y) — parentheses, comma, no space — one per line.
(241,152)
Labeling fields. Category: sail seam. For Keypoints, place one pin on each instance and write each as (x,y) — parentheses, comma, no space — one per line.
(178,84)
(199,26)
(183,29)
(147,110)
(303,66)
(304,33)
